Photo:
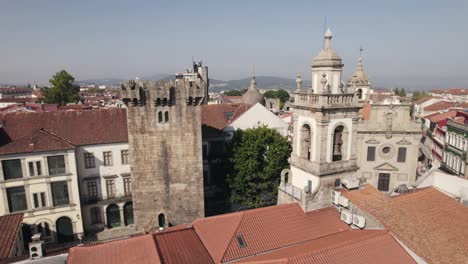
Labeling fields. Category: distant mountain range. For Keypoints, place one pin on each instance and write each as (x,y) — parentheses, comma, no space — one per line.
(263,82)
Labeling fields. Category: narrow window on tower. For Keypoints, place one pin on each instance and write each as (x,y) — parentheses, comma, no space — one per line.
(160,117)
(166,116)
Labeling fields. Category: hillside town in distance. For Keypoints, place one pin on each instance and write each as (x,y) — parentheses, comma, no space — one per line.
(323,168)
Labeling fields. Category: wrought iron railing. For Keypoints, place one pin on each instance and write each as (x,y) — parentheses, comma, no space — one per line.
(292,190)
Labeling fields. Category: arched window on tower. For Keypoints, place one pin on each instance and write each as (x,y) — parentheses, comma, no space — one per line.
(359,93)
(161,220)
(305,144)
(338,144)
(166,116)
(160,117)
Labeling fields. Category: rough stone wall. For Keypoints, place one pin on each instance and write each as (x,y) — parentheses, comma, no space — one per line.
(166,157)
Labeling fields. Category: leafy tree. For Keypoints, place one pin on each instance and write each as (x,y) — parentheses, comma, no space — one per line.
(257,157)
(419,95)
(63,90)
(233,93)
(396,91)
(281,94)
(402,92)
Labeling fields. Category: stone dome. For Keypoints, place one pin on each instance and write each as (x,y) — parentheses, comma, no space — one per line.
(253,95)
(327,57)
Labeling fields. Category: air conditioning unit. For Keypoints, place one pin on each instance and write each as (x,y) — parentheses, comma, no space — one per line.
(335,197)
(347,217)
(344,201)
(359,221)
(350,183)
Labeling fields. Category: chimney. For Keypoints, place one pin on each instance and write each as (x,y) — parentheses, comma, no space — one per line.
(36,247)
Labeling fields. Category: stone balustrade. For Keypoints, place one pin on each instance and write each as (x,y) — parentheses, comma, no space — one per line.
(324,100)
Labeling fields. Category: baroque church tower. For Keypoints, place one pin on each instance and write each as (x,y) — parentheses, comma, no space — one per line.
(164,134)
(325,119)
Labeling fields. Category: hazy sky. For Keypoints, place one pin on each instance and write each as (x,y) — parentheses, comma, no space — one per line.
(413,44)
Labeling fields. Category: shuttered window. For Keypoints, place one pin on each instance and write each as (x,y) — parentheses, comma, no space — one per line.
(401,155)
(370,153)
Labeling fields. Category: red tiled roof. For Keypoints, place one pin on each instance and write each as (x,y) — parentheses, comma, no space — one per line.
(181,246)
(354,246)
(437,117)
(442,105)
(264,229)
(77,127)
(139,250)
(431,224)
(452,91)
(16,100)
(366,111)
(220,115)
(41,140)
(75,107)
(9,229)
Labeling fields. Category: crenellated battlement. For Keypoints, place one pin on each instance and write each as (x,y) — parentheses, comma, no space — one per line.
(190,87)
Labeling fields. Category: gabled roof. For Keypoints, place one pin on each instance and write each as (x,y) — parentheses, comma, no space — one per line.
(139,250)
(181,246)
(9,229)
(41,140)
(431,224)
(77,127)
(220,115)
(442,105)
(264,229)
(437,117)
(349,247)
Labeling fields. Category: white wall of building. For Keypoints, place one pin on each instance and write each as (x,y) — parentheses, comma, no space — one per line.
(258,116)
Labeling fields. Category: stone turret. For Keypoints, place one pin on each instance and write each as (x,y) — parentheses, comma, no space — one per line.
(359,83)
(164,133)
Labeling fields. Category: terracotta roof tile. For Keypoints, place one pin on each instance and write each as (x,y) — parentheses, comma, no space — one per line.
(77,127)
(437,117)
(136,250)
(430,223)
(9,228)
(41,140)
(265,229)
(443,105)
(353,246)
(181,246)
(220,115)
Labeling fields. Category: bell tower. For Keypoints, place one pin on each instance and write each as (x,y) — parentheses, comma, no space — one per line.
(164,134)
(325,120)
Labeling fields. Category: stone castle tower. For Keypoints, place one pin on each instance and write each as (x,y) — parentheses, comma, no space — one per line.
(325,119)
(164,133)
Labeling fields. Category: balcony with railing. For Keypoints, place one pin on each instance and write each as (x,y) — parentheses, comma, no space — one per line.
(117,198)
(306,99)
(292,191)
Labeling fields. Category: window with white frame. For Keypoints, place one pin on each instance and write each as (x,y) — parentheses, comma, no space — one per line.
(107,155)
(39,200)
(35,168)
(89,160)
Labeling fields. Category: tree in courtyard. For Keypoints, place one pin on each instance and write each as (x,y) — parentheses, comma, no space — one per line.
(281,94)
(62,91)
(257,157)
(233,93)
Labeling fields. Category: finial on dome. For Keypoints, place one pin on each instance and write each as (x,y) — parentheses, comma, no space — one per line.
(328,36)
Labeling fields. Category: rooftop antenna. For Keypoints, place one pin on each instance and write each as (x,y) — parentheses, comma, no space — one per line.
(324,30)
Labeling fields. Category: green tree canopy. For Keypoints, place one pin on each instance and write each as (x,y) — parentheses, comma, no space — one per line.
(257,157)
(281,94)
(233,93)
(62,91)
